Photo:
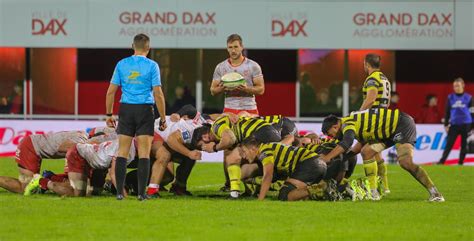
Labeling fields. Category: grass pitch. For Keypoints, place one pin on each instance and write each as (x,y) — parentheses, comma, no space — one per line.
(403,215)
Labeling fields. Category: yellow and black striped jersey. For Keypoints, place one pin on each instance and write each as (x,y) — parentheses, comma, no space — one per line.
(242,129)
(372,125)
(313,146)
(378,81)
(283,157)
(272,119)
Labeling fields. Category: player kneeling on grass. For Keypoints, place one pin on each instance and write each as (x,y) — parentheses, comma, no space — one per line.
(81,160)
(384,126)
(298,166)
(32,149)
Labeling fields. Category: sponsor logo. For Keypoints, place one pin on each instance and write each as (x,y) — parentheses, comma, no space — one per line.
(290,24)
(49,23)
(432,142)
(9,136)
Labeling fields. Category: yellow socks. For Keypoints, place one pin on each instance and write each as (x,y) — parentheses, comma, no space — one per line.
(234,177)
(382,173)
(370,168)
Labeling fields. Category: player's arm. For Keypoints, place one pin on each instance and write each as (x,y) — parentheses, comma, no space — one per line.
(217,87)
(447,115)
(371,94)
(176,142)
(266,180)
(342,146)
(228,140)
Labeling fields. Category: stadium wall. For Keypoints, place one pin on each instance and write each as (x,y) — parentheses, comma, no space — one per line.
(431,139)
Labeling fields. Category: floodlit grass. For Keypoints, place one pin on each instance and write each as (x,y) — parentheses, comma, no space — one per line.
(403,215)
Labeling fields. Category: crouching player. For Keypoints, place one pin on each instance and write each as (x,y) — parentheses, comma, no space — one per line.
(298,166)
(386,127)
(32,149)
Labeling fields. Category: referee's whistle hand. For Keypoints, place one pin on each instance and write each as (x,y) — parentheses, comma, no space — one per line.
(110,122)
(163,126)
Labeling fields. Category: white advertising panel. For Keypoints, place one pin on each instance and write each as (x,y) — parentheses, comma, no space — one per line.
(263,24)
(431,139)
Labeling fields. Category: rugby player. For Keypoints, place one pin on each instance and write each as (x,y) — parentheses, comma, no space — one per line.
(298,166)
(376,92)
(33,148)
(385,127)
(225,135)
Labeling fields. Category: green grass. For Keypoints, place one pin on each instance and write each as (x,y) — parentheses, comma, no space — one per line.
(403,215)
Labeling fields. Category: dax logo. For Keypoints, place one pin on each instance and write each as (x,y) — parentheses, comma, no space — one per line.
(9,135)
(53,27)
(294,28)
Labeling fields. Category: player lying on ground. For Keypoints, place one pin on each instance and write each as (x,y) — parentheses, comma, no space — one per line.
(296,165)
(226,135)
(33,148)
(81,160)
(384,126)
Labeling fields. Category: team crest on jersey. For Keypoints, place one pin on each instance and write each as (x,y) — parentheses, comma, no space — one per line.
(186,135)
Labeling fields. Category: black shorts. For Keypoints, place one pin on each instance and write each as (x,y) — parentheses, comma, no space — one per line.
(309,171)
(136,120)
(336,166)
(267,134)
(405,131)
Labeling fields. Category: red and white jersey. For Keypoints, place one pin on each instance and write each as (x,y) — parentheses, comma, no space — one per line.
(185,127)
(99,156)
(47,145)
(235,99)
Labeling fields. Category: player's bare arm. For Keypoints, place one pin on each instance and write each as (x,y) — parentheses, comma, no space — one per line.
(369,101)
(217,87)
(266,181)
(160,103)
(175,141)
(258,87)
(227,141)
(109,104)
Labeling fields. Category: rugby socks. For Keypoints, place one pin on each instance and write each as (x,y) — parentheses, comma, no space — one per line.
(43,182)
(382,173)
(153,188)
(370,168)
(143,174)
(120,173)
(422,177)
(234,177)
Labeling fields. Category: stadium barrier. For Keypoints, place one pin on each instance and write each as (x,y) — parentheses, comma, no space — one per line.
(431,139)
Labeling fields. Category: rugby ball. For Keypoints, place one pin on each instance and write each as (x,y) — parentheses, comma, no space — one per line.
(233,79)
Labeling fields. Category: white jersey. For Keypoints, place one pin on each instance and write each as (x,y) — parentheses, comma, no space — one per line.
(47,145)
(185,127)
(235,99)
(99,156)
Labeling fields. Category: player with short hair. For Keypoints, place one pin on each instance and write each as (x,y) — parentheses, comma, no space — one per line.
(376,92)
(225,135)
(298,166)
(386,128)
(32,149)
(241,98)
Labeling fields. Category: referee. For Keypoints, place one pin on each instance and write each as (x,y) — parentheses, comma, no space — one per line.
(139,78)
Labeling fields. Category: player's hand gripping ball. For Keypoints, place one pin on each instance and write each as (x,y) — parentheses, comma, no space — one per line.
(232,80)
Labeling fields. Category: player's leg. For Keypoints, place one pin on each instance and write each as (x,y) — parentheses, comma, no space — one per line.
(183,171)
(452,135)
(307,172)
(405,158)
(233,168)
(368,153)
(29,164)
(382,172)
(464,130)
(61,188)
(226,186)
(17,185)
(163,156)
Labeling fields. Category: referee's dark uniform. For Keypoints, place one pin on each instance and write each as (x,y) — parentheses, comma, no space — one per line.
(137,75)
(459,118)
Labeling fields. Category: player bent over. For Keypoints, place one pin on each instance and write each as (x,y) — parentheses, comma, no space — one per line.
(32,149)
(298,166)
(386,127)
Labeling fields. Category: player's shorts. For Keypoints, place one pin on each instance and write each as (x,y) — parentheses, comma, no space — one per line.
(157,138)
(136,120)
(309,171)
(235,111)
(26,156)
(75,162)
(267,134)
(405,131)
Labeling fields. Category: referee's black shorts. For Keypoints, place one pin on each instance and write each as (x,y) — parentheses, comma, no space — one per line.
(136,120)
